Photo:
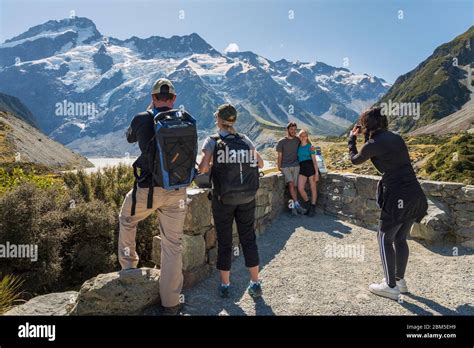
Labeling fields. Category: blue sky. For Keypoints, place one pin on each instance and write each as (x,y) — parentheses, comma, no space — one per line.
(367,32)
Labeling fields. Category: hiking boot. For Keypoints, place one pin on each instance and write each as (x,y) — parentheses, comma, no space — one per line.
(224,290)
(255,289)
(312,210)
(384,290)
(171,311)
(294,211)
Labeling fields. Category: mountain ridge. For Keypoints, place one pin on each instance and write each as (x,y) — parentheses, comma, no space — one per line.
(80,65)
(438,84)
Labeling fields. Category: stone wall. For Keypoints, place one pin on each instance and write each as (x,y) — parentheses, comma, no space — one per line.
(450,213)
(200,241)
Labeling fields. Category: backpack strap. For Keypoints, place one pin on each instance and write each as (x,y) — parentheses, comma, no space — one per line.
(149,201)
(135,188)
(135,174)
(160,115)
(216,137)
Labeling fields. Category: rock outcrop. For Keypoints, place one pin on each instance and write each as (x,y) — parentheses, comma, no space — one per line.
(58,303)
(119,293)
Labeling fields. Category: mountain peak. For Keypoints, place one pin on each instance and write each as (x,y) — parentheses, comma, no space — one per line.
(175,46)
(76,24)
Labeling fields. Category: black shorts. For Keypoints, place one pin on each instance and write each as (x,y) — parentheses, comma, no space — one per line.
(307,168)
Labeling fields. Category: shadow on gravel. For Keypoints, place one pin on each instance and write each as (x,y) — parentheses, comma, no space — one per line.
(321,223)
(446,250)
(464,309)
(203,298)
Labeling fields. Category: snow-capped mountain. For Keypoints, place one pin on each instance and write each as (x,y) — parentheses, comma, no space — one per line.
(85,88)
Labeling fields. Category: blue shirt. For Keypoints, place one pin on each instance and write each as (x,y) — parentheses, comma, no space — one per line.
(305,152)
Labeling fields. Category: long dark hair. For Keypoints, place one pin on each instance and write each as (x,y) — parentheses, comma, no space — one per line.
(373,121)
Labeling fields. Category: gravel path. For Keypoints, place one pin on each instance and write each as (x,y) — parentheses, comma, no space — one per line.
(299,278)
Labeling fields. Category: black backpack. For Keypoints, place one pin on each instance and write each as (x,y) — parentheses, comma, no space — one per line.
(175,149)
(235,179)
(171,152)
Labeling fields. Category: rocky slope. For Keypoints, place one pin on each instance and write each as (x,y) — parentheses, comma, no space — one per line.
(20,141)
(441,84)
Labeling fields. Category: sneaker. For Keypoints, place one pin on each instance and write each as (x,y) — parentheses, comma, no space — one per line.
(224,290)
(171,311)
(384,290)
(300,209)
(294,211)
(255,289)
(402,285)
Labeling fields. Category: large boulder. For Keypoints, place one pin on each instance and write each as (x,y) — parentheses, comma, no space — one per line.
(436,226)
(59,303)
(119,293)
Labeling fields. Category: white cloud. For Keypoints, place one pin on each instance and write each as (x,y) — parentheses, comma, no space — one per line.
(232,47)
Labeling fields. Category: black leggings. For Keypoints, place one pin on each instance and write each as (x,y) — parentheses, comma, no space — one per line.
(244,215)
(394,250)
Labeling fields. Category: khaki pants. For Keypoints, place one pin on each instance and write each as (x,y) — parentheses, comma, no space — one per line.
(171,209)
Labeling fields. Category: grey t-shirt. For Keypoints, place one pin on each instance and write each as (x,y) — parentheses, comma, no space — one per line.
(289,151)
(209,144)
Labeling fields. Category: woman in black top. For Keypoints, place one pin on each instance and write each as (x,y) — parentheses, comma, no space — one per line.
(399,195)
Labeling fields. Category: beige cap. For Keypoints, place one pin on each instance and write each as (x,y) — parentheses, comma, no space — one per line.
(163,86)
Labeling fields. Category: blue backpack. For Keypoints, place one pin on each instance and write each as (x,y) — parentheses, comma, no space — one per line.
(171,152)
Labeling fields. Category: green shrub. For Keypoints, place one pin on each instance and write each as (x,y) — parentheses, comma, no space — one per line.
(109,185)
(83,187)
(30,215)
(13,176)
(9,292)
(453,161)
(75,226)
(89,248)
